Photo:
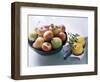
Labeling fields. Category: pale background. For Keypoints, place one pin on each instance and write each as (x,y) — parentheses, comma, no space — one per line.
(5,44)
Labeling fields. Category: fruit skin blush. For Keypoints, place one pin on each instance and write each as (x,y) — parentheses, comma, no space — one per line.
(48,38)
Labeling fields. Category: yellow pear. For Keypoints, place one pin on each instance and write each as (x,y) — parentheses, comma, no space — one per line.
(81,40)
(77,49)
(38,43)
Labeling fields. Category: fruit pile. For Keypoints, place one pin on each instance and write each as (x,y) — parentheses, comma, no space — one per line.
(48,37)
(77,43)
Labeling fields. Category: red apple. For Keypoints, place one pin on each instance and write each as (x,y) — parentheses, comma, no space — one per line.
(62,36)
(40,31)
(46,46)
(48,35)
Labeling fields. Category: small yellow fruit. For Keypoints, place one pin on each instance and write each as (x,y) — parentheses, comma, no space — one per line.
(81,40)
(77,49)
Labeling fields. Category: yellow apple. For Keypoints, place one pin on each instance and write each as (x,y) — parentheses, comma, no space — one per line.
(81,40)
(77,49)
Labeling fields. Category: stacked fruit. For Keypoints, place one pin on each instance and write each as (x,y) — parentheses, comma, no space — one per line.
(48,37)
(77,43)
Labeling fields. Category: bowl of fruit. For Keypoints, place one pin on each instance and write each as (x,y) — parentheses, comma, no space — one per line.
(48,39)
